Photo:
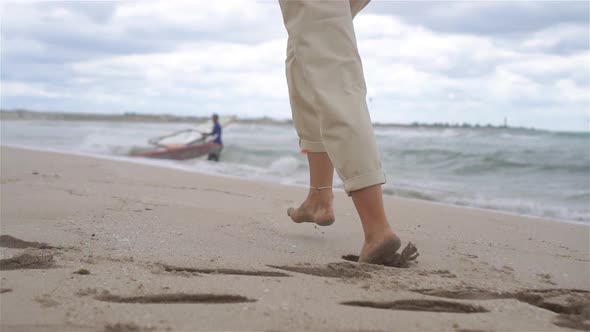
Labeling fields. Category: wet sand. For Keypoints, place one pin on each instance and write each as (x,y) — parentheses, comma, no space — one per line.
(98,245)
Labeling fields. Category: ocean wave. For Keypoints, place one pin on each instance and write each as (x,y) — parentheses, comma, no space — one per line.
(409,193)
(284,166)
(433,152)
(582,197)
(580,169)
(491,164)
(547,176)
(524,207)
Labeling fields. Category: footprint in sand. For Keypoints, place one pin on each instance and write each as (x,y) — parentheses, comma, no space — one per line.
(546,278)
(400,260)
(577,322)
(128,327)
(331,270)
(7,241)
(572,305)
(170,268)
(440,273)
(27,260)
(175,298)
(421,305)
(35,257)
(46,301)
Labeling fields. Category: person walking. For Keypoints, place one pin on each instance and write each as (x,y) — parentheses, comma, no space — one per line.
(327,93)
(216,134)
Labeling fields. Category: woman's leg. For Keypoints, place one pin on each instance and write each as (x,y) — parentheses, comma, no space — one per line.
(322,42)
(317,207)
(380,241)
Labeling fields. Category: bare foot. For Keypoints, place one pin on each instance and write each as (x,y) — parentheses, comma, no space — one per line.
(317,208)
(381,250)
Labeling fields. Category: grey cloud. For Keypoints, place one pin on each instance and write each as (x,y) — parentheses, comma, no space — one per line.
(47,54)
(99,12)
(506,18)
(91,33)
(570,44)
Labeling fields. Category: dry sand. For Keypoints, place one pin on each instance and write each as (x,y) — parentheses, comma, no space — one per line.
(98,245)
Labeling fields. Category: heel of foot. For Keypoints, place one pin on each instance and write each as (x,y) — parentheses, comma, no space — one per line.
(301,215)
(326,222)
(381,253)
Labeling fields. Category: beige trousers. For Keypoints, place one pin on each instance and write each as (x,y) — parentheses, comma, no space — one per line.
(327,88)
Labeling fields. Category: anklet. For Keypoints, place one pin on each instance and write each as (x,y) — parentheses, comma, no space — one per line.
(320,188)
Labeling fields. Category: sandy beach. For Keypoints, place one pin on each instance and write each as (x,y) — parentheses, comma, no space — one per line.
(100,245)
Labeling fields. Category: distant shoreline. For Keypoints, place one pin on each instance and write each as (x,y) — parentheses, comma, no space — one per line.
(19,114)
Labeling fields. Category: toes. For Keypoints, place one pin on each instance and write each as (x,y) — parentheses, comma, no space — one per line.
(295,215)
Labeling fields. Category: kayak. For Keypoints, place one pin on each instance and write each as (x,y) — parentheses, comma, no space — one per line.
(180,152)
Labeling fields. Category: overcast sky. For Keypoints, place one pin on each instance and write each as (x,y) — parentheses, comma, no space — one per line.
(442,61)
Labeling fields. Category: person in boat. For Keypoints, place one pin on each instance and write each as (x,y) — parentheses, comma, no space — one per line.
(327,93)
(216,134)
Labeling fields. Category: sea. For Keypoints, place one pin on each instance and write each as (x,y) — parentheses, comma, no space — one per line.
(519,171)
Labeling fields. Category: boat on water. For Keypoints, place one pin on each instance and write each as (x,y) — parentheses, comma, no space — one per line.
(183,144)
(181,152)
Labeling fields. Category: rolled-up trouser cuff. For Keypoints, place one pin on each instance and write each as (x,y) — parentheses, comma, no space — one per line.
(363,181)
(311,146)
